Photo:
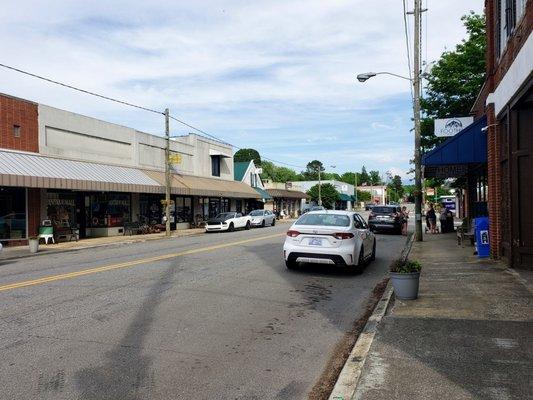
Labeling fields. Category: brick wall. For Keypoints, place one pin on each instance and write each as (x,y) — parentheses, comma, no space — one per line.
(34,211)
(494,183)
(22,113)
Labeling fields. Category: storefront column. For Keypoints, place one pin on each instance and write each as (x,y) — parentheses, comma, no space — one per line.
(34,211)
(135,207)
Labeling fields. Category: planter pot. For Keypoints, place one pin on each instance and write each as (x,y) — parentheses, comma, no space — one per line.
(34,245)
(405,285)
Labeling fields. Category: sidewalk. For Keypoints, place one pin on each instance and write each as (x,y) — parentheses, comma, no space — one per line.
(468,336)
(14,252)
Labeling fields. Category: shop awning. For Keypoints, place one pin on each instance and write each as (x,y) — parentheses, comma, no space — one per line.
(345,197)
(37,171)
(287,194)
(210,187)
(453,157)
(263,193)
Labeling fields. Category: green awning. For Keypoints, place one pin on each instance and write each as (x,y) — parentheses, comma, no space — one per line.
(345,197)
(263,193)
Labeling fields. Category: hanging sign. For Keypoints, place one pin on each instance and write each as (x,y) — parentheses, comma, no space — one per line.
(451,126)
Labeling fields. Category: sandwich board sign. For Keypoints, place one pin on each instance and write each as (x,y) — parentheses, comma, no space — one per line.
(446,127)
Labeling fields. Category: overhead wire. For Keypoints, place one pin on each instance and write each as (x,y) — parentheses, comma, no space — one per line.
(126,103)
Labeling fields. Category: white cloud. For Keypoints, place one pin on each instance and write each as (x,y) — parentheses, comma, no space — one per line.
(235,68)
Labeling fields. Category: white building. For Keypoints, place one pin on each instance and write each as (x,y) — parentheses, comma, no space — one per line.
(378,193)
(345,190)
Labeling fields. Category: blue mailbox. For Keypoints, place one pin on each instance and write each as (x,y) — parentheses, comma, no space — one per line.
(482,237)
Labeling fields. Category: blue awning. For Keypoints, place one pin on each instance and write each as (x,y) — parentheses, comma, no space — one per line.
(453,157)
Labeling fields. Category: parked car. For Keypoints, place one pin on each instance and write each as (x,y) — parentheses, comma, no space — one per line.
(386,218)
(368,206)
(340,238)
(262,218)
(228,221)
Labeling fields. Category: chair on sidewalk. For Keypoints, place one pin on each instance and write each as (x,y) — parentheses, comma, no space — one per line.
(465,231)
(46,231)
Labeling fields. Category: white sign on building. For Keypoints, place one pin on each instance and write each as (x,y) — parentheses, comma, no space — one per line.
(451,126)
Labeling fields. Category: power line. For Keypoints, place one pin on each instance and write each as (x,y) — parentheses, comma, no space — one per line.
(80,90)
(132,105)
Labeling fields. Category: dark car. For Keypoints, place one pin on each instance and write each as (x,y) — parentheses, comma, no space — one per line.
(368,206)
(386,218)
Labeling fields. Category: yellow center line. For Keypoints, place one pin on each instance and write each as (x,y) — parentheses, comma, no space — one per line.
(127,264)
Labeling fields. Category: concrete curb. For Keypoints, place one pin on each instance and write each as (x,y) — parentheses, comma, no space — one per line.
(348,379)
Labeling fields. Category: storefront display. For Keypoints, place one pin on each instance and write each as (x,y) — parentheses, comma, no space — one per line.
(61,208)
(110,210)
(12,213)
(183,209)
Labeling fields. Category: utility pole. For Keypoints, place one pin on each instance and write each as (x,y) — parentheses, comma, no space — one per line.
(319,187)
(167,173)
(416,107)
(355,190)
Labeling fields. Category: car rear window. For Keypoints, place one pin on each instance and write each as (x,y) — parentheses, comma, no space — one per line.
(324,220)
(383,210)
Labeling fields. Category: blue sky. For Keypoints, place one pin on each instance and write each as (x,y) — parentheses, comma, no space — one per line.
(278,76)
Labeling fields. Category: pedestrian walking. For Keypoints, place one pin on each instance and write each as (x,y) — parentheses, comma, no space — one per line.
(405,218)
(432,219)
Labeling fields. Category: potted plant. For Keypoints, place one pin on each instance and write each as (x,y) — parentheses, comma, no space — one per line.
(405,275)
(33,242)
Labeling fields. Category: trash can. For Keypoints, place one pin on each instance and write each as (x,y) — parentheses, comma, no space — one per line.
(482,237)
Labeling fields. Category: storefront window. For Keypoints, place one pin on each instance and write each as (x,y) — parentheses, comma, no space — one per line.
(12,213)
(151,209)
(61,208)
(110,209)
(183,209)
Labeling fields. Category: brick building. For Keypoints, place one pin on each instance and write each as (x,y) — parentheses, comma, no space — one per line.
(507,101)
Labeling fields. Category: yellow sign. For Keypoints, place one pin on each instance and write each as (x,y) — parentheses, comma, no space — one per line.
(175,158)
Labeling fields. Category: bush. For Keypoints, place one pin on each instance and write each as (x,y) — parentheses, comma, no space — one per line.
(405,267)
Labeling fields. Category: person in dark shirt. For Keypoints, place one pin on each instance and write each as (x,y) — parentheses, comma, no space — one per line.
(432,219)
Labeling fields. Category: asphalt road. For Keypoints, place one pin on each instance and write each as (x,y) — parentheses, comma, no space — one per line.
(216,316)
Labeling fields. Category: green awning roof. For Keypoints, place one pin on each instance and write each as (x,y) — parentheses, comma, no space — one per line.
(239,169)
(345,197)
(263,193)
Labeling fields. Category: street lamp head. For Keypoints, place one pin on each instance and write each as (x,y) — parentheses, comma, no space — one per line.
(364,77)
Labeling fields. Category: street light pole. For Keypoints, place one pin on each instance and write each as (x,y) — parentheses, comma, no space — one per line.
(355,190)
(167,173)
(416,88)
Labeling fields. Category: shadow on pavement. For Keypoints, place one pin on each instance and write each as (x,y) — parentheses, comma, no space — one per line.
(127,375)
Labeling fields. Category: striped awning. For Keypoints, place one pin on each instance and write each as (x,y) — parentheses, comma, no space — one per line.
(288,194)
(38,171)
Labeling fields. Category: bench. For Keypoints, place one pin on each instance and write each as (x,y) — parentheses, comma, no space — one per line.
(466,231)
(132,227)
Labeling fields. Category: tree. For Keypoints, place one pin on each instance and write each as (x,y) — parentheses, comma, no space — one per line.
(395,187)
(349,177)
(311,171)
(365,178)
(246,155)
(375,179)
(455,80)
(363,195)
(328,193)
(278,174)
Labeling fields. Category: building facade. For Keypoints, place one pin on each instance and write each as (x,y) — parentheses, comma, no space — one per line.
(250,174)
(346,192)
(96,176)
(507,99)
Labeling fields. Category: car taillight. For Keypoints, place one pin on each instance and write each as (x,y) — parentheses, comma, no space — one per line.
(343,235)
(293,233)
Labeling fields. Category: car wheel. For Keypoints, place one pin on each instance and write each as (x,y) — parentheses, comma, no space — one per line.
(273,221)
(248,226)
(263,224)
(291,264)
(231,228)
(373,255)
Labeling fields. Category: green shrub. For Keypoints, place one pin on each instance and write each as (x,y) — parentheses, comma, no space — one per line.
(405,267)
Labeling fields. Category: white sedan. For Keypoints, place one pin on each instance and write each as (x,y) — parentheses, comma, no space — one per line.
(339,238)
(262,218)
(228,221)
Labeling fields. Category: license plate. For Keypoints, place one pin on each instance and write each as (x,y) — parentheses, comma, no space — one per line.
(315,242)
(382,217)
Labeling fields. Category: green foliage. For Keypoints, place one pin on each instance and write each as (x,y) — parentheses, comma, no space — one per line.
(329,194)
(405,267)
(244,155)
(363,196)
(365,178)
(375,179)
(311,171)
(455,80)
(278,174)
(349,177)
(396,188)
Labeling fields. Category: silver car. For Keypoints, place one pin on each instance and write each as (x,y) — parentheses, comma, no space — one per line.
(262,218)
